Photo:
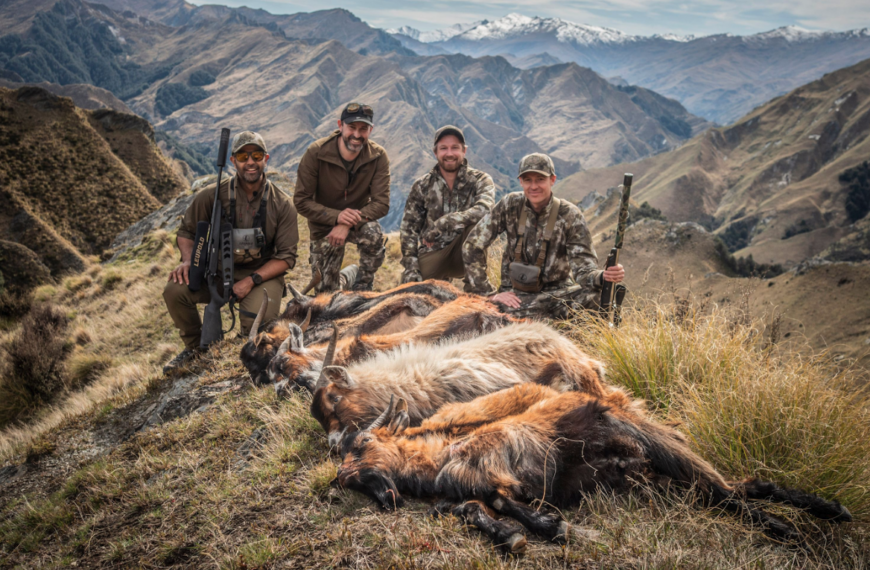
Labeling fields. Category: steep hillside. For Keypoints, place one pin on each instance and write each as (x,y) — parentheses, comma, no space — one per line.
(83,95)
(71,179)
(720,77)
(572,112)
(770,183)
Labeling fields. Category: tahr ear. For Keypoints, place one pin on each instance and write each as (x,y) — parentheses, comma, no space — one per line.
(339,376)
(401,420)
(297,343)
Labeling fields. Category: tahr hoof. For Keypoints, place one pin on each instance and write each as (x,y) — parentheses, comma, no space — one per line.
(516,544)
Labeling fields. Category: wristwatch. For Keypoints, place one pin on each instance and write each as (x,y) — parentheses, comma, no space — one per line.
(256,278)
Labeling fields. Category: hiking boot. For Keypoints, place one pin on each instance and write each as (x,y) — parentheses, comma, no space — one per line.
(181,359)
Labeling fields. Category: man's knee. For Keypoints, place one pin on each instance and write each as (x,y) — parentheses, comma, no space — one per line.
(176,294)
(370,235)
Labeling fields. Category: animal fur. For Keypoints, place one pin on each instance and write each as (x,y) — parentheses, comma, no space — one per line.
(430,376)
(547,446)
(298,365)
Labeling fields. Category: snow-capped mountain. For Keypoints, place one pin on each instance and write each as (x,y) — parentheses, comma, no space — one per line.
(518,25)
(436,35)
(750,69)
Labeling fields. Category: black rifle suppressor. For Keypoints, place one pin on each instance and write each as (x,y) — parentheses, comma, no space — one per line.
(218,247)
(612,294)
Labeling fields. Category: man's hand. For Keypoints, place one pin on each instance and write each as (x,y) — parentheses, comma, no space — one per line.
(614,274)
(349,217)
(338,234)
(243,287)
(429,236)
(508,298)
(181,274)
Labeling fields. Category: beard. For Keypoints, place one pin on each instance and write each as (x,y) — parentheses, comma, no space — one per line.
(251,177)
(451,166)
(353,144)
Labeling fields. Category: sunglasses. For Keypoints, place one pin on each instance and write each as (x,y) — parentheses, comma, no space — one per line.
(257,155)
(355,108)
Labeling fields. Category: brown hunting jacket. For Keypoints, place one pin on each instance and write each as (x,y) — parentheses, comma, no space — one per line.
(282,231)
(324,187)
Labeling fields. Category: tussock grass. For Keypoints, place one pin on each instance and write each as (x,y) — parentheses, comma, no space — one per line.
(749,407)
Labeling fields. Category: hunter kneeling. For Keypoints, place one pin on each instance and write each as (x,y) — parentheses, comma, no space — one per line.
(548,262)
(265,235)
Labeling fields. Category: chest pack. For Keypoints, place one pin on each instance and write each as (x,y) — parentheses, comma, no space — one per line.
(249,244)
(525,277)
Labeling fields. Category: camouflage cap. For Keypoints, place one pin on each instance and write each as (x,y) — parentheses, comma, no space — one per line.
(449,130)
(247,137)
(537,162)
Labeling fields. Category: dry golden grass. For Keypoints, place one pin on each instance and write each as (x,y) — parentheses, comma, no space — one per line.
(245,484)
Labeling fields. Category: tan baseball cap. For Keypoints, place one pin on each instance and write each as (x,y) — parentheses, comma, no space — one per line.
(248,137)
(537,162)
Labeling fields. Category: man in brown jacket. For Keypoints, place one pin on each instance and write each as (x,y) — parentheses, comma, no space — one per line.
(343,188)
(261,208)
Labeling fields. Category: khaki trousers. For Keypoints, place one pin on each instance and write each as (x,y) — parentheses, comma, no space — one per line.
(182,303)
(445,263)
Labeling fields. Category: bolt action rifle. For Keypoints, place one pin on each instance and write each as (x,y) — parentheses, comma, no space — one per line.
(612,294)
(216,238)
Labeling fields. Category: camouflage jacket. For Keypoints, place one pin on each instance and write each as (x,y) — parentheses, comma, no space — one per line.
(570,257)
(438,214)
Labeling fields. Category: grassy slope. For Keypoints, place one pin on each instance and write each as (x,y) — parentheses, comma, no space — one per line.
(188,492)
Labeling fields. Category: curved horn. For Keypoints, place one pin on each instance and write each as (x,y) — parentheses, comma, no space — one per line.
(255,328)
(327,360)
(297,296)
(307,321)
(285,346)
(381,419)
(315,281)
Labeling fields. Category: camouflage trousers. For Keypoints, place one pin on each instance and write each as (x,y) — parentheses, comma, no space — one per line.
(370,241)
(558,303)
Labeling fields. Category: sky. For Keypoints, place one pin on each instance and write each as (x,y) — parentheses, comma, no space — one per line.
(640,17)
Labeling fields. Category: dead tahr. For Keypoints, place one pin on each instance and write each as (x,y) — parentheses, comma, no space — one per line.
(356,312)
(499,452)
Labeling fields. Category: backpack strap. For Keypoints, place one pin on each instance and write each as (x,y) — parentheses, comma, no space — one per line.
(521,232)
(548,231)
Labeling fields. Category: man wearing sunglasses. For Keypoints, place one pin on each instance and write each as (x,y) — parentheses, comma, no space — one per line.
(342,189)
(265,236)
(442,207)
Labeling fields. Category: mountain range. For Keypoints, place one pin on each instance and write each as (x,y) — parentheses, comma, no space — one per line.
(773,184)
(289,76)
(719,77)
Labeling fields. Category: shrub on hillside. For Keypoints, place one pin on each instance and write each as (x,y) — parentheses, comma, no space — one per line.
(746,266)
(797,228)
(645,210)
(858,198)
(200,78)
(38,351)
(173,96)
(739,234)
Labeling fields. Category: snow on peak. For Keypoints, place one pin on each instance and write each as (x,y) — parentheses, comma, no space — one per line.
(516,25)
(675,37)
(788,33)
(436,35)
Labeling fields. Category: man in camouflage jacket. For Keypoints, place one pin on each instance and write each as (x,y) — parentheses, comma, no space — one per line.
(570,270)
(443,206)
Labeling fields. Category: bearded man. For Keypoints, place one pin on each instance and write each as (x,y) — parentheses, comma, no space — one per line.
(342,189)
(443,206)
(261,209)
